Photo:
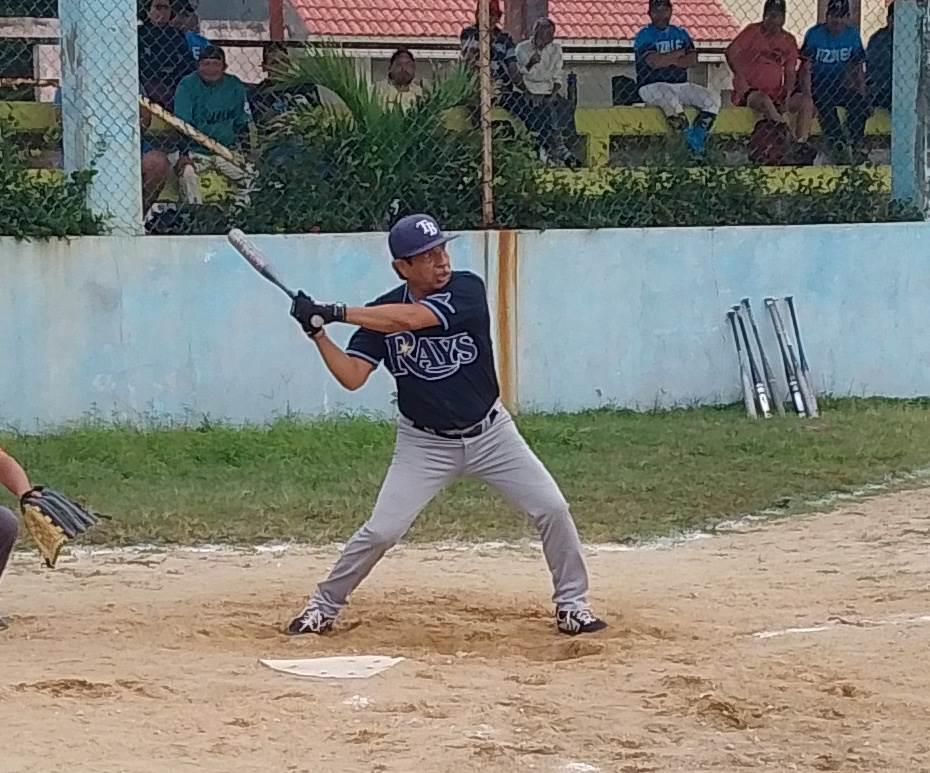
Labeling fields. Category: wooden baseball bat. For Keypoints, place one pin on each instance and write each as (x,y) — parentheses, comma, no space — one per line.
(195,134)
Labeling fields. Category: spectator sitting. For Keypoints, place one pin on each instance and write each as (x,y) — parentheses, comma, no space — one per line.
(214,102)
(879,57)
(400,87)
(268,99)
(164,56)
(664,53)
(155,165)
(186,20)
(549,112)
(764,62)
(505,75)
(833,60)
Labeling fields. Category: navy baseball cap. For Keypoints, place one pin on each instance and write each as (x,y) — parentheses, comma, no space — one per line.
(415,234)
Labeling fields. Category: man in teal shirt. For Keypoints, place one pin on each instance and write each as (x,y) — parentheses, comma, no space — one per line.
(216,103)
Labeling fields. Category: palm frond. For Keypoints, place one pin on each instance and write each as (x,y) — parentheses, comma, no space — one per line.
(326,66)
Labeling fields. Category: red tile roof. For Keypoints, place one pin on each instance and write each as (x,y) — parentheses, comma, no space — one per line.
(576,19)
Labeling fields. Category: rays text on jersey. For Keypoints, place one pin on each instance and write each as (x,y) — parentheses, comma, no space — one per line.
(431,358)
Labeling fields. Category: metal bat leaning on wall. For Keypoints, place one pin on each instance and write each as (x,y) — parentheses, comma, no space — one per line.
(787,357)
(749,398)
(433,334)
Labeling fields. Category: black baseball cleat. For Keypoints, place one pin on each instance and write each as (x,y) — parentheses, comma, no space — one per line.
(311,620)
(576,621)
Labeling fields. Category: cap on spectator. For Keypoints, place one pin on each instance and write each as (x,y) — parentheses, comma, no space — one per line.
(213,52)
(415,234)
(774,6)
(838,8)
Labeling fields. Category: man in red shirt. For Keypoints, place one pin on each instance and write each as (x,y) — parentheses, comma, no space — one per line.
(764,61)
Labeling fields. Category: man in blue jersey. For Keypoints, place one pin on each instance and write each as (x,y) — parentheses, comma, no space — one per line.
(185,19)
(433,334)
(664,53)
(833,63)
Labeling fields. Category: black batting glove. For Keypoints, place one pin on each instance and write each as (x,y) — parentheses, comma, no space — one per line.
(312,316)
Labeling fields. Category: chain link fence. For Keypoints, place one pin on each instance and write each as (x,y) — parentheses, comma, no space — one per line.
(294,116)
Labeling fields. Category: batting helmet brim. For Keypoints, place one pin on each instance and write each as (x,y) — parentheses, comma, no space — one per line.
(430,245)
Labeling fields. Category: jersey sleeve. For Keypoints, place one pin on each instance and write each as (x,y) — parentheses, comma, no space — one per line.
(644,42)
(184,102)
(464,300)
(686,39)
(367,345)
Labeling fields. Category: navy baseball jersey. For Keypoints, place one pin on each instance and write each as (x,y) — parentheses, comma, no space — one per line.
(445,374)
(651,39)
(830,56)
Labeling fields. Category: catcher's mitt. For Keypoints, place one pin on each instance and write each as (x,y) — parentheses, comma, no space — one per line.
(52,519)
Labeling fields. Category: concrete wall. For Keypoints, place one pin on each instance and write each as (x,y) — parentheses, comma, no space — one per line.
(175,326)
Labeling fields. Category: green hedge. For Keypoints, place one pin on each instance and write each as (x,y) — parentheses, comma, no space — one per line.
(36,206)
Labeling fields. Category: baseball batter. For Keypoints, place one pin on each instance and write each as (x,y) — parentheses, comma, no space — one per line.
(433,333)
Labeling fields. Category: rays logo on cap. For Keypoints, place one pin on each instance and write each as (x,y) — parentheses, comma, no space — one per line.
(428,227)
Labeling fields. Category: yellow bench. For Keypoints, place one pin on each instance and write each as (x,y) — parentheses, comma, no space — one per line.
(35,117)
(42,117)
(599,124)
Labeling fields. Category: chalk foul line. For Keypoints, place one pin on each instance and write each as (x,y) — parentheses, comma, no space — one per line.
(839,622)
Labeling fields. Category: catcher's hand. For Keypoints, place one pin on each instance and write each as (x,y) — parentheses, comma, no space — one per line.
(52,519)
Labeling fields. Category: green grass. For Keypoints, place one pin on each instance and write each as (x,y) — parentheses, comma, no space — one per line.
(627,475)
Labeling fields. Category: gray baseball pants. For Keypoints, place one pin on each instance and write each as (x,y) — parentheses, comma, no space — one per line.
(424,465)
(9,526)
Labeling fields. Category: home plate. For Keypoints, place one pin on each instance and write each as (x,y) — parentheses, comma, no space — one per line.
(359,667)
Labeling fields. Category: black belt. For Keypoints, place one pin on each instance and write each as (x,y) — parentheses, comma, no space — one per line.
(473,431)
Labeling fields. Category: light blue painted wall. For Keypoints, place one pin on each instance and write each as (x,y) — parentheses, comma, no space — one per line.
(631,317)
(636,317)
(174,325)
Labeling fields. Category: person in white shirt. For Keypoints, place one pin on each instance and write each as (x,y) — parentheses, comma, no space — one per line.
(539,60)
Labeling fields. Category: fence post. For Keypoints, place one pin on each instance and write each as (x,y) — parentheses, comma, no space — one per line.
(276,19)
(100,104)
(484,74)
(907,124)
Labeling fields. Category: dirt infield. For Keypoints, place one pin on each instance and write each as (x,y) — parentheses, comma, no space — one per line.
(149,662)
